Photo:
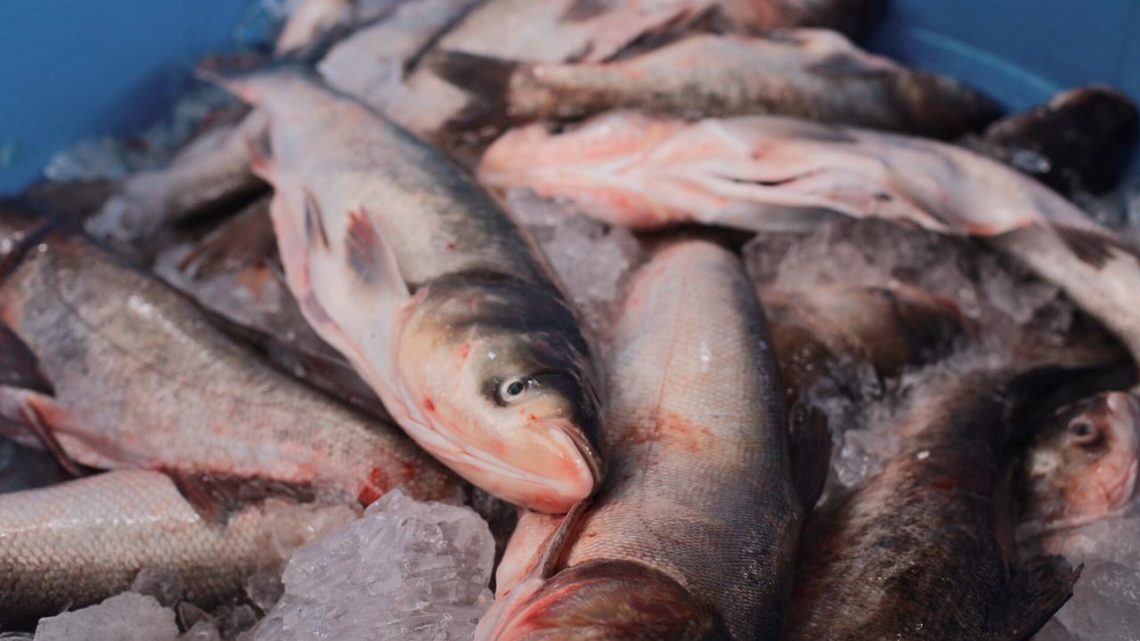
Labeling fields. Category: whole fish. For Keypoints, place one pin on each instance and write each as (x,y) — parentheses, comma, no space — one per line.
(313,21)
(809,73)
(923,549)
(1083,466)
(77,543)
(235,274)
(694,532)
(766,172)
(112,369)
(441,303)
(888,328)
(556,31)
(1080,141)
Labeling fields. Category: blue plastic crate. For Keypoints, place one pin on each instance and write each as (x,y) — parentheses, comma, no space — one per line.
(73,69)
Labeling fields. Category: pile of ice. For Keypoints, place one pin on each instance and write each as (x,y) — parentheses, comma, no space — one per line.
(1106,599)
(406,571)
(593,261)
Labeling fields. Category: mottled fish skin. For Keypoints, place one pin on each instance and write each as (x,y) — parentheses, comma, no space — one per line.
(887,328)
(921,551)
(401,262)
(1080,141)
(771,173)
(1083,466)
(694,533)
(235,274)
(77,543)
(808,73)
(138,378)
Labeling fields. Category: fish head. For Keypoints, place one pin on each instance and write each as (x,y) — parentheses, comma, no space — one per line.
(502,373)
(1084,465)
(614,600)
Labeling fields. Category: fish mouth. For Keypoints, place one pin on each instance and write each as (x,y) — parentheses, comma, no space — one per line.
(589,454)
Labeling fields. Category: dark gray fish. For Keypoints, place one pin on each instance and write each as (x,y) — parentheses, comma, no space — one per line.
(1079,142)
(924,549)
(809,73)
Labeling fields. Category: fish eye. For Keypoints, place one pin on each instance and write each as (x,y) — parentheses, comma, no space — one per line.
(1083,432)
(511,390)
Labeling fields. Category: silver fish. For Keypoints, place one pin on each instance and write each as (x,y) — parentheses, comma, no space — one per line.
(694,533)
(441,303)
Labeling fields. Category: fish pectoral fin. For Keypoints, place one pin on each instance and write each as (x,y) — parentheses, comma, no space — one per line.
(35,412)
(216,496)
(370,258)
(1037,589)
(809,441)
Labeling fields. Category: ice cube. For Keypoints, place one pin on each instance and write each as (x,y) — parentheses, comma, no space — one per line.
(202,631)
(1105,604)
(125,617)
(166,586)
(593,261)
(406,571)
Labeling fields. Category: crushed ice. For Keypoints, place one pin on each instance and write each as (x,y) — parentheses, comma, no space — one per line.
(406,571)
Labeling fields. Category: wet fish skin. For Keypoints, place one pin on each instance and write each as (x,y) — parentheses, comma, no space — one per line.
(694,533)
(122,357)
(235,275)
(1083,466)
(404,265)
(809,73)
(766,173)
(1080,141)
(77,543)
(918,552)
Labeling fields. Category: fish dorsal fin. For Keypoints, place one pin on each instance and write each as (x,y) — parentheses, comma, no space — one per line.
(810,449)
(216,496)
(1037,589)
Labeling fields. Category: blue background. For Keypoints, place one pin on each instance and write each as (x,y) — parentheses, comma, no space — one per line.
(72,69)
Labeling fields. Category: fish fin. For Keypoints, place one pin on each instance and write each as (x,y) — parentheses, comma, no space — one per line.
(1038,588)
(260,148)
(487,80)
(216,496)
(19,367)
(1093,247)
(810,449)
(584,10)
(245,239)
(34,411)
(369,257)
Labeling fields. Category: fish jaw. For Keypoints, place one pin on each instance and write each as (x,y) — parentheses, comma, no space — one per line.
(619,600)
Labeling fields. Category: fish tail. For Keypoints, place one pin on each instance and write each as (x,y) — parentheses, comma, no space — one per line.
(488,82)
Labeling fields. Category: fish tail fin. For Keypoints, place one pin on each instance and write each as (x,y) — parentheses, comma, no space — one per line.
(487,80)
(1038,588)
(810,448)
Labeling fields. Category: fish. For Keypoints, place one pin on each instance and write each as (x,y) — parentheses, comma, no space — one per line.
(694,532)
(808,73)
(923,550)
(440,301)
(887,328)
(214,173)
(1082,465)
(1079,142)
(235,275)
(76,543)
(592,31)
(108,368)
(766,173)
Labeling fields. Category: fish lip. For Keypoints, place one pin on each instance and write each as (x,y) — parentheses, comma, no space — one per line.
(589,454)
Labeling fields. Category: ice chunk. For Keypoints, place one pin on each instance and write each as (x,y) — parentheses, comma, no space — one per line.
(202,631)
(125,617)
(1105,604)
(167,587)
(406,571)
(264,589)
(593,261)
(231,621)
